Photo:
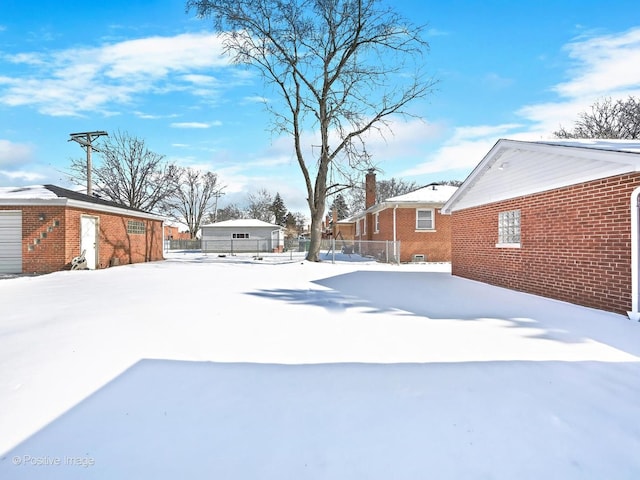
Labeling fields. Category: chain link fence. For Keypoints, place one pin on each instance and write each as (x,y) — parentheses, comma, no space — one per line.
(183,244)
(238,245)
(381,251)
(386,251)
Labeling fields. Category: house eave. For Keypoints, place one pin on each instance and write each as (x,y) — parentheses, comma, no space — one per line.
(506,173)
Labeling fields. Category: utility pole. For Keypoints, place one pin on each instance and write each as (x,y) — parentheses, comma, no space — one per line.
(86,139)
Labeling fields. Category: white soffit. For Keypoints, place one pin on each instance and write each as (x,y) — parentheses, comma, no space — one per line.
(513,169)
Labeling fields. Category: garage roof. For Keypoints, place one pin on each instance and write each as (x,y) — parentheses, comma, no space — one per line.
(54,195)
(514,168)
(243,222)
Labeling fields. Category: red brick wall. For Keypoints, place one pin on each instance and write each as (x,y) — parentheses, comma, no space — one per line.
(49,245)
(436,244)
(43,241)
(575,244)
(113,239)
(174,233)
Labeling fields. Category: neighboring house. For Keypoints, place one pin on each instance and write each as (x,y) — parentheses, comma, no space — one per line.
(413,219)
(558,219)
(242,235)
(172,232)
(42,228)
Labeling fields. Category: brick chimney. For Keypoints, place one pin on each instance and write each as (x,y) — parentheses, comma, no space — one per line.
(370,189)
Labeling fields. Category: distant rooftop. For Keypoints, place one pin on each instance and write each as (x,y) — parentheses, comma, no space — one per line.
(243,222)
(430,194)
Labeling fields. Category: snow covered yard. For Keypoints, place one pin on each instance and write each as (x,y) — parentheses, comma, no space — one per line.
(210,367)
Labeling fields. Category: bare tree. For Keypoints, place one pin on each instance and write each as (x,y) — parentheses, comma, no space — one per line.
(260,205)
(128,173)
(194,195)
(341,68)
(230,212)
(607,119)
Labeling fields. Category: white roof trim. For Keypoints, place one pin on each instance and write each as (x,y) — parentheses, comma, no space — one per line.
(514,168)
(66,202)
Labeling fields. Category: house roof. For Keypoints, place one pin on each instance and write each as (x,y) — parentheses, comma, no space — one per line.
(52,194)
(434,195)
(430,194)
(515,168)
(243,223)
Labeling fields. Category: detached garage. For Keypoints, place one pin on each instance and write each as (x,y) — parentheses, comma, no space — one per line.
(43,227)
(10,241)
(242,235)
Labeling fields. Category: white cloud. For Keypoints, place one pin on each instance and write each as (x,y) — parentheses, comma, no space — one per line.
(463,150)
(256,99)
(216,123)
(76,81)
(604,65)
(22,176)
(13,154)
(496,81)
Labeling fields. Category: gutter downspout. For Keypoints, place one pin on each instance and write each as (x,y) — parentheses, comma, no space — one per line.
(634,314)
(395,244)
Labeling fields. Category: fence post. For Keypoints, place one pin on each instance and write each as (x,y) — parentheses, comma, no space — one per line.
(333,249)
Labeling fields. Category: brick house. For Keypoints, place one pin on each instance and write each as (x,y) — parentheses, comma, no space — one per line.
(172,232)
(42,228)
(413,219)
(557,219)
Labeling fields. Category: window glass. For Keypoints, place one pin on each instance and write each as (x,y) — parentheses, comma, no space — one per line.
(424,219)
(509,226)
(135,227)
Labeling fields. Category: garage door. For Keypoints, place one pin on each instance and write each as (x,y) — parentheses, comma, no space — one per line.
(10,241)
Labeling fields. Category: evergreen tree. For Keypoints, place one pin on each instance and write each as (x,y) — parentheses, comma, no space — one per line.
(341,206)
(279,210)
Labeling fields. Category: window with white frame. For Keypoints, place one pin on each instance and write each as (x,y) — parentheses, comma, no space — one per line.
(509,228)
(376,222)
(240,235)
(424,219)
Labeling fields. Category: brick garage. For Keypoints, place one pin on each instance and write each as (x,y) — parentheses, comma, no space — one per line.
(413,219)
(57,223)
(573,200)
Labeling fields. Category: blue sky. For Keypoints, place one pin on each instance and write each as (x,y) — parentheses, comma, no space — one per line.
(505,70)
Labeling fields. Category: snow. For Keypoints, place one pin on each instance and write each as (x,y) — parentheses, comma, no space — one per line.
(430,193)
(31,192)
(242,222)
(631,146)
(209,367)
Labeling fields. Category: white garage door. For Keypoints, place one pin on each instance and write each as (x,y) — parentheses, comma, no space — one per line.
(10,241)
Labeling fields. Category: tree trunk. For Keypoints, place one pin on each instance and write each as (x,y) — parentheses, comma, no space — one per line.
(318,207)
(316,236)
